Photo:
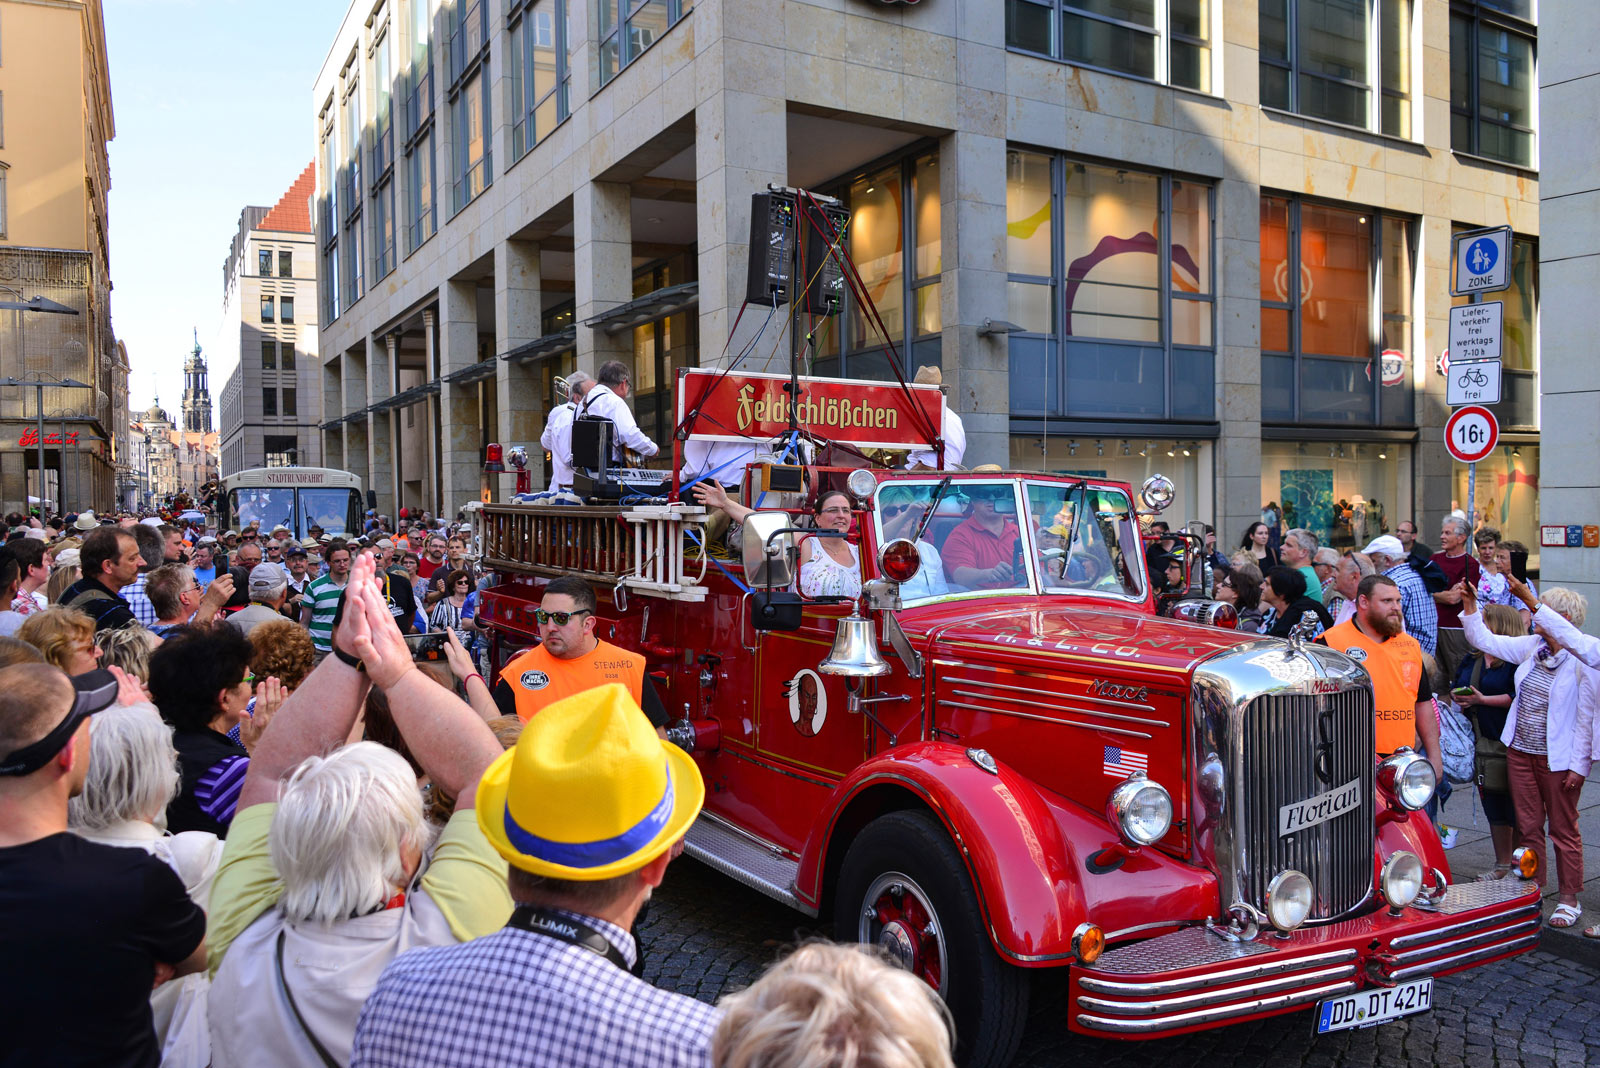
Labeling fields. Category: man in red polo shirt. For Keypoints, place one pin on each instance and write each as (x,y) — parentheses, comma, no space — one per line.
(981,551)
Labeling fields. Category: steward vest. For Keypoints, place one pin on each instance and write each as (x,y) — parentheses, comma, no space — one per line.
(1396,669)
(538,679)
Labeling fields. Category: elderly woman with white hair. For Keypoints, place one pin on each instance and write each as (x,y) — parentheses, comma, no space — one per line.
(133,775)
(329,871)
(1549,732)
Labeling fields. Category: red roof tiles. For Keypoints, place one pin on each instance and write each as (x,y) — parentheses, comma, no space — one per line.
(292,213)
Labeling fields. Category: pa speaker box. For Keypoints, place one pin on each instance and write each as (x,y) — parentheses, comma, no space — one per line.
(772,223)
(591,443)
(824,246)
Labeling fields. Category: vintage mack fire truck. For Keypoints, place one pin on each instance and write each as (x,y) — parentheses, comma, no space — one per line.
(1057,766)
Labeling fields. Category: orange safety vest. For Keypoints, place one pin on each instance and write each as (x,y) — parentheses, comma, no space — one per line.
(1396,669)
(538,679)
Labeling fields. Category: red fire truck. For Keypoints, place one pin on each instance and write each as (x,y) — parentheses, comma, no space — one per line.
(1061,767)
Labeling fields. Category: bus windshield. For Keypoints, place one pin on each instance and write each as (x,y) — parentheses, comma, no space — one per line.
(326,508)
(269,506)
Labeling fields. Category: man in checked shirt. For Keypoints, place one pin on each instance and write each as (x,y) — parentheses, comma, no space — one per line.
(589,808)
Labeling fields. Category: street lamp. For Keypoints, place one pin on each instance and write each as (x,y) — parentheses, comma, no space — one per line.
(39,380)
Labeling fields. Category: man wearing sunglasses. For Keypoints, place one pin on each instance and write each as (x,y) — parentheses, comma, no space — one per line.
(571,658)
(76,909)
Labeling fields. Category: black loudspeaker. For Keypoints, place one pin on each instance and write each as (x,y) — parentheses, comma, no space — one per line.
(824,229)
(591,444)
(769,279)
(775,610)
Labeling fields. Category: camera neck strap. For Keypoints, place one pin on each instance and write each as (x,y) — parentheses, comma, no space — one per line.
(565,927)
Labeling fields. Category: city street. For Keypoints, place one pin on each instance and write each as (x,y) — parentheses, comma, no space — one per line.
(707,935)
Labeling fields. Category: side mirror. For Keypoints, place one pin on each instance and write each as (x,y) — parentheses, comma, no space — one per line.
(768,556)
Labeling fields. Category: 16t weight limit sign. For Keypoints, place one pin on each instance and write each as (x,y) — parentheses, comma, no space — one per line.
(1471,433)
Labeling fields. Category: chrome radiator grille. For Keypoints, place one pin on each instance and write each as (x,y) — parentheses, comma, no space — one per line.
(1295,748)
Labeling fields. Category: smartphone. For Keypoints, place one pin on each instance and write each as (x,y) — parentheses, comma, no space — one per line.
(1462,691)
(427,648)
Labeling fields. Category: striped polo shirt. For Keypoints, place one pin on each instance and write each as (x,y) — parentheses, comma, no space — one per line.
(323,595)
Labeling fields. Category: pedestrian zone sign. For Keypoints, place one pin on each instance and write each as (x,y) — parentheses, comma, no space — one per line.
(1482,261)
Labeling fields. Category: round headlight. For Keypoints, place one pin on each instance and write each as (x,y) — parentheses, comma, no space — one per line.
(1141,810)
(1157,493)
(861,483)
(899,560)
(1402,879)
(1407,779)
(1289,900)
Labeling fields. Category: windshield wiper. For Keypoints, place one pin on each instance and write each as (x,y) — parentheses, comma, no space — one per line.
(938,495)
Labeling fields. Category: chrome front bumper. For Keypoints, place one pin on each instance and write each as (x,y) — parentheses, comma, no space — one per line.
(1194,980)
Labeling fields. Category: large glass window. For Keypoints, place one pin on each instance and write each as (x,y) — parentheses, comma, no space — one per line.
(328,219)
(1164,40)
(264,263)
(541,74)
(352,193)
(1491,79)
(1506,496)
(1337,330)
(1519,340)
(269,355)
(1110,280)
(1347,61)
(266,309)
(1346,493)
(421,211)
(382,168)
(469,101)
(625,28)
(285,263)
(894,239)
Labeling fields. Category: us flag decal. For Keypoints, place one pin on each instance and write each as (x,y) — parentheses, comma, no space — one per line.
(1120,763)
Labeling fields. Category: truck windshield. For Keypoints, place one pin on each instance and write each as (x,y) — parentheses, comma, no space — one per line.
(1085,539)
(970,544)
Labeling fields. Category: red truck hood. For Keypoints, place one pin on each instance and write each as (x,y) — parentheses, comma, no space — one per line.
(1051,629)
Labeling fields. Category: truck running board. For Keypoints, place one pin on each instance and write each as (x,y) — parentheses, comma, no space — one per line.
(745,858)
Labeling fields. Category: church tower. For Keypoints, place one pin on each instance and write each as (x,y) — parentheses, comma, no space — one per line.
(196,394)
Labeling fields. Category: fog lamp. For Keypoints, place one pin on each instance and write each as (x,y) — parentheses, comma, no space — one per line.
(1526,861)
(1140,809)
(1401,881)
(1088,942)
(1407,780)
(1289,900)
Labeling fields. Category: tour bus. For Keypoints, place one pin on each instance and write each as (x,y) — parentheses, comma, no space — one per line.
(296,497)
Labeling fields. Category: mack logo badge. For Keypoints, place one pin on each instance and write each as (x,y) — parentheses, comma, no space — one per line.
(1319,809)
(1355,652)
(535,680)
(1119,691)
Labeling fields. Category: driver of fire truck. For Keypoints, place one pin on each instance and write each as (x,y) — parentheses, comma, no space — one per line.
(981,552)
(571,658)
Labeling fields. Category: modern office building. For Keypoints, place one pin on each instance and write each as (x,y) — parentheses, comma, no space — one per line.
(1569,209)
(1211,240)
(55,121)
(270,402)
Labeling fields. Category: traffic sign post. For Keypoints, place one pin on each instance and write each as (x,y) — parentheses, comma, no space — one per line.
(1471,433)
(1482,260)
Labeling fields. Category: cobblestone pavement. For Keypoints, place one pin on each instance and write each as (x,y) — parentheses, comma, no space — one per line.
(706,936)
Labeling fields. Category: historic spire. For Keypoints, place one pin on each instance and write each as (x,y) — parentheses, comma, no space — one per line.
(196,392)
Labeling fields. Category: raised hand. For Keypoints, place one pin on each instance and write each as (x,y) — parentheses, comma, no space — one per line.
(130,691)
(457,657)
(373,634)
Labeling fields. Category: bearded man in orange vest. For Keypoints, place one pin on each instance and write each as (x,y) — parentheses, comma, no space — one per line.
(571,658)
(1402,700)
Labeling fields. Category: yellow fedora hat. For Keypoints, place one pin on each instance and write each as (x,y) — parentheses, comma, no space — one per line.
(589,791)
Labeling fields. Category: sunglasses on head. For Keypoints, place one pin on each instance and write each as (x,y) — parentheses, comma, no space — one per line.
(560,619)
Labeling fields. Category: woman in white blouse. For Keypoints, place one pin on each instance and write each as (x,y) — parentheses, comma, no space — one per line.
(1549,735)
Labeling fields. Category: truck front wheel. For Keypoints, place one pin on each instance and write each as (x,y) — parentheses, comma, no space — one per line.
(904,888)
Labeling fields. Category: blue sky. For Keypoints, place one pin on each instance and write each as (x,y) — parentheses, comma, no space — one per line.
(212,100)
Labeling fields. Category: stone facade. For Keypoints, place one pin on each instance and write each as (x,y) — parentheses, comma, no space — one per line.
(653,172)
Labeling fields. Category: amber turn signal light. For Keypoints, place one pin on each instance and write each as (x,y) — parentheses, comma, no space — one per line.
(1526,861)
(1088,942)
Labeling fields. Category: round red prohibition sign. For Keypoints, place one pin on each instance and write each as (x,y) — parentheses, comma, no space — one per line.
(1471,433)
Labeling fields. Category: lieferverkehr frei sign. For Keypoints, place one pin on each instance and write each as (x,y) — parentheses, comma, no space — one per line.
(1475,333)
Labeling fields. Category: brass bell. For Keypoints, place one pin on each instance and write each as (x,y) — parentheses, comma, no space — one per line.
(855,651)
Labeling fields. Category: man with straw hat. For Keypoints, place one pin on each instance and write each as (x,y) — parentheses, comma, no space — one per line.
(589,808)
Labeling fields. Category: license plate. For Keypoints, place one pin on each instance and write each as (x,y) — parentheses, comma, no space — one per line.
(1375,1006)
